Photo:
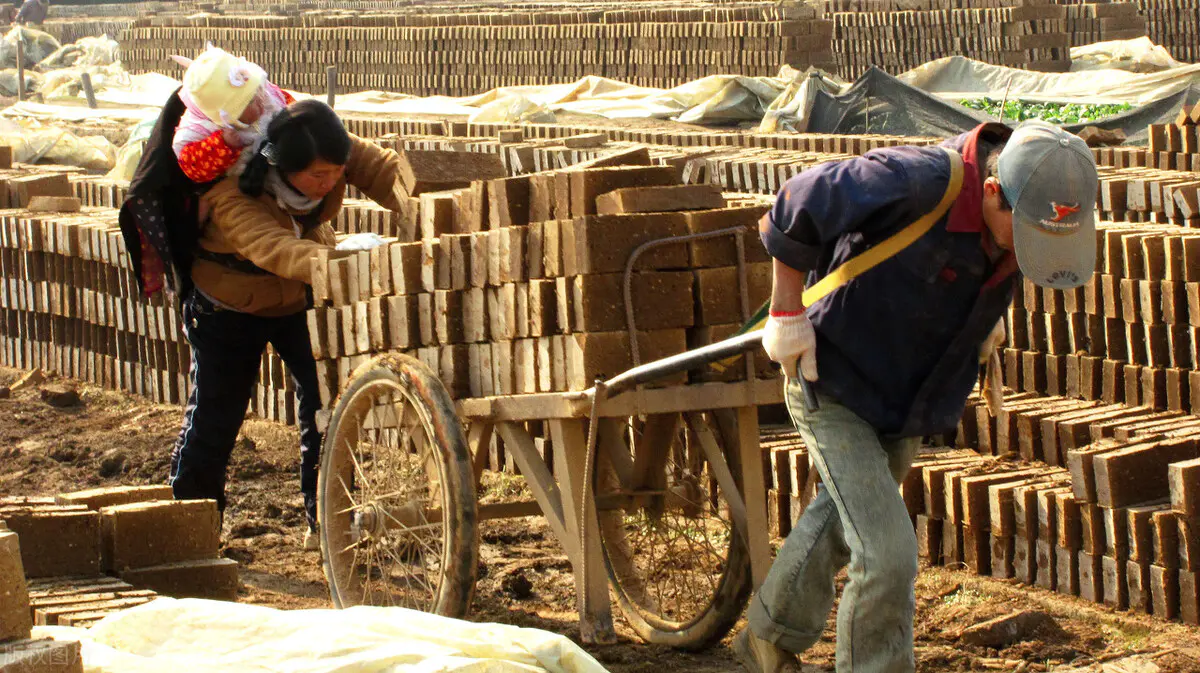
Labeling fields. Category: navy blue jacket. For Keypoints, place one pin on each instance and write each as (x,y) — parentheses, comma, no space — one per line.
(899,344)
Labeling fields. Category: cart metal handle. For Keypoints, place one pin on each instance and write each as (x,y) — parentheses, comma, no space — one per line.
(695,359)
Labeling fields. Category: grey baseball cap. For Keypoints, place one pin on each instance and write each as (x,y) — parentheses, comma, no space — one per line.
(1049,177)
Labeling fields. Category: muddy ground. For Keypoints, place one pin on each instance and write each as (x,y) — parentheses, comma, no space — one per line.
(112,439)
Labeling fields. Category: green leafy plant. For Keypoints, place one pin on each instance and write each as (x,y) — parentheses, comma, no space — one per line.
(1054,113)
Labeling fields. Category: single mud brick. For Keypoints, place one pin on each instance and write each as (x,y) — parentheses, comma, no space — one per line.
(1091,529)
(1046,564)
(208,578)
(718,300)
(1164,592)
(1024,559)
(1068,520)
(6,157)
(508,202)
(608,353)
(1166,538)
(1189,597)
(1067,572)
(1178,398)
(1112,384)
(57,543)
(140,535)
(435,170)
(1114,583)
(1133,386)
(41,656)
(1012,369)
(929,539)
(98,498)
(1033,375)
(586,185)
(406,259)
(1116,533)
(1091,576)
(54,204)
(1002,561)
(1183,478)
(977,550)
(603,243)
(660,199)
(15,619)
(1137,579)
(1189,544)
(660,300)
(952,544)
(22,189)
(638,156)
(1139,474)
(722,250)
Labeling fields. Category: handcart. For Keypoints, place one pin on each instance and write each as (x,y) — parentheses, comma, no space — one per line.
(656,493)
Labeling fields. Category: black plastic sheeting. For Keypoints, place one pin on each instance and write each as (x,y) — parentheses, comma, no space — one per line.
(878,103)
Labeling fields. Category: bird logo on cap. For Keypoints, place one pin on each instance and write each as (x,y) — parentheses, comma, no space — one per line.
(1059,225)
(1061,211)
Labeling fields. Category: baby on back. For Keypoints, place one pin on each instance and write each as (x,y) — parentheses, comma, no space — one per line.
(229,104)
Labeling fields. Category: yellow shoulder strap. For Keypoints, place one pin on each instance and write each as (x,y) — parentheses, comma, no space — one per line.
(889,247)
(894,243)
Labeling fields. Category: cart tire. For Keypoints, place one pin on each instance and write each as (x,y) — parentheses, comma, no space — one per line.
(397,511)
(675,587)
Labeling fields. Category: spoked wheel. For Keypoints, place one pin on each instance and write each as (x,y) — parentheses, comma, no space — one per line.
(674,550)
(397,509)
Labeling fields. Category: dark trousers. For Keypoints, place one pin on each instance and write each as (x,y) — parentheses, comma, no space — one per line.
(227,348)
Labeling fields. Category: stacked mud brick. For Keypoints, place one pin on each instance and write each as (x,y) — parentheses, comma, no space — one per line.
(1093,493)
(473,49)
(17,651)
(1100,501)
(515,284)
(1033,37)
(1090,22)
(90,553)
(1174,24)
(1177,145)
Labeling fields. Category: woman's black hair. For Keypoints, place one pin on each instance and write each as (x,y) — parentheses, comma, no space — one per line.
(300,134)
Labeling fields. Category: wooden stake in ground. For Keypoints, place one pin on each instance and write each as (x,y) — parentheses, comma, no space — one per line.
(88,91)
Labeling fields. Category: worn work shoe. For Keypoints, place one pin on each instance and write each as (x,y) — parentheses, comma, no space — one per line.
(312,540)
(760,656)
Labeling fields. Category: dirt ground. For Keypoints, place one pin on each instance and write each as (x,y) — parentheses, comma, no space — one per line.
(113,439)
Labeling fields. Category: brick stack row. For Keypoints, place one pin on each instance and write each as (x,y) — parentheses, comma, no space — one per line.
(515,284)
(89,553)
(1033,37)
(1174,24)
(655,46)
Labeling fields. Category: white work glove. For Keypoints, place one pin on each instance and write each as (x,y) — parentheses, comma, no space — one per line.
(361,242)
(790,339)
(993,341)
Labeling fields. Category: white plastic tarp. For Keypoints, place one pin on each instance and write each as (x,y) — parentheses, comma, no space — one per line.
(200,636)
(957,77)
(718,98)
